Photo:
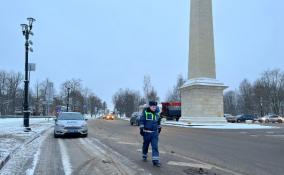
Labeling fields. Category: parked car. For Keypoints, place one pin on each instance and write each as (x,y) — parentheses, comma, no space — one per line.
(230,118)
(271,118)
(245,117)
(135,118)
(70,123)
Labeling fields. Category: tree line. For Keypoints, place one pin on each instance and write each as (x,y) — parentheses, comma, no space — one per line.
(263,96)
(43,98)
(127,101)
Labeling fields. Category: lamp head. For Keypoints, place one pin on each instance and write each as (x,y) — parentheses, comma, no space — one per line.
(24,27)
(31,20)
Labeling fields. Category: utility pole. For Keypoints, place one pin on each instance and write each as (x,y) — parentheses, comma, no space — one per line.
(261,103)
(27,31)
(68,89)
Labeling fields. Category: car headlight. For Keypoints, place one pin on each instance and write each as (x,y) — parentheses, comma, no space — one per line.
(59,125)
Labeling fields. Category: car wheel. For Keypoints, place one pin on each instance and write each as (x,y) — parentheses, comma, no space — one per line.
(56,136)
(238,121)
(131,123)
(85,135)
(266,121)
(280,121)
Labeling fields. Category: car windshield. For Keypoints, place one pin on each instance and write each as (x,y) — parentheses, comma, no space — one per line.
(70,116)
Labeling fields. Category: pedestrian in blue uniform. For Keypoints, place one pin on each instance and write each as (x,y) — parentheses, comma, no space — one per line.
(150,128)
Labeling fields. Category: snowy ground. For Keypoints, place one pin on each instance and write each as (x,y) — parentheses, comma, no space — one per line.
(212,125)
(12,133)
(217,125)
(125,118)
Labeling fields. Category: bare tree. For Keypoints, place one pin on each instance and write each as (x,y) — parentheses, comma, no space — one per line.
(153,95)
(76,98)
(95,104)
(46,94)
(174,94)
(230,103)
(246,97)
(104,107)
(147,86)
(13,82)
(265,96)
(149,91)
(270,88)
(3,92)
(126,101)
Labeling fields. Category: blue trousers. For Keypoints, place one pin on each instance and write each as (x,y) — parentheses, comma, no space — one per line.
(152,138)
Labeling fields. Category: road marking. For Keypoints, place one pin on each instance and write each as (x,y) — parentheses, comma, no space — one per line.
(150,151)
(254,135)
(65,158)
(31,170)
(269,132)
(128,143)
(194,165)
(243,132)
(280,136)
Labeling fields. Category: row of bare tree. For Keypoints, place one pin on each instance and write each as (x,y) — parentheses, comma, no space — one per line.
(127,101)
(11,92)
(263,96)
(43,98)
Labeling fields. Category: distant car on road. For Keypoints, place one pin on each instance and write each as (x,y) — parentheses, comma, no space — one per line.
(230,118)
(70,123)
(109,117)
(135,118)
(245,117)
(271,118)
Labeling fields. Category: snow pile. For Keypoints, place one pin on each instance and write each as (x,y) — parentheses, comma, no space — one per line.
(125,118)
(216,125)
(12,133)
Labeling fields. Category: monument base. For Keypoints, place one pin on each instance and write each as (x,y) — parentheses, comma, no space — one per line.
(202,101)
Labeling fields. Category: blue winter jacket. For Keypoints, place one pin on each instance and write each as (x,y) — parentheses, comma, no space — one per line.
(150,120)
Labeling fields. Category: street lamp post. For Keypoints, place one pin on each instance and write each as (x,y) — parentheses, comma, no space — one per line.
(27,31)
(261,108)
(68,89)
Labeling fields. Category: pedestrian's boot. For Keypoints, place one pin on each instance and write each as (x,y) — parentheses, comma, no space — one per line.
(144,158)
(156,164)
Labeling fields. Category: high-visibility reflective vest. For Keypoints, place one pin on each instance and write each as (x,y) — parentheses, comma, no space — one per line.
(150,116)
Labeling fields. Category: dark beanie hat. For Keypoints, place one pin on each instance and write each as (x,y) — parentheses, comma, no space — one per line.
(153,103)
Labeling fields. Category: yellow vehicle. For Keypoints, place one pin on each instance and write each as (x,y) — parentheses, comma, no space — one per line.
(109,117)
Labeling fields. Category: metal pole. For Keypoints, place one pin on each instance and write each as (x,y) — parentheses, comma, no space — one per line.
(26,90)
(68,99)
(261,110)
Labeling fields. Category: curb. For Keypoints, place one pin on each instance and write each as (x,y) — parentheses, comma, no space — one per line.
(7,158)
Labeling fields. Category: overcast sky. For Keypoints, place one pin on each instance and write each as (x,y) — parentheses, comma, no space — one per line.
(112,44)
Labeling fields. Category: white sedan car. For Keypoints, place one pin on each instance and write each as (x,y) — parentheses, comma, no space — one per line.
(271,118)
(70,123)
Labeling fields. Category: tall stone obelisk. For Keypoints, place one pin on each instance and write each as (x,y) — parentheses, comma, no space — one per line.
(202,94)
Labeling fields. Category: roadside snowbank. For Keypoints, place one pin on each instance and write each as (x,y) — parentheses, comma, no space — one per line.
(125,118)
(12,134)
(216,125)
